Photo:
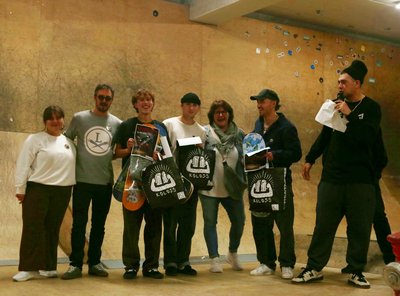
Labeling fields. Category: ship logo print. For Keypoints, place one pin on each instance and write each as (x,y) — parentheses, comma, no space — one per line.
(261,189)
(162,181)
(198,164)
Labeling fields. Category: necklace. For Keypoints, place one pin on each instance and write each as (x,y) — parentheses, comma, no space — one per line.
(358,104)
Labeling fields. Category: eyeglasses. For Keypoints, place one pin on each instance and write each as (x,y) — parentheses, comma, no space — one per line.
(220,112)
(107,98)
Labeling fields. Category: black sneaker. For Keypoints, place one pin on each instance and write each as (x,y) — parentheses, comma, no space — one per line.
(308,275)
(98,270)
(153,273)
(171,271)
(188,270)
(357,279)
(346,269)
(130,274)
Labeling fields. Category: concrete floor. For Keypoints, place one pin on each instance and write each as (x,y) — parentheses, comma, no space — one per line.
(205,283)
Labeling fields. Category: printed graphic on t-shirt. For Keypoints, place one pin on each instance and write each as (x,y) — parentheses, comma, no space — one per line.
(98,141)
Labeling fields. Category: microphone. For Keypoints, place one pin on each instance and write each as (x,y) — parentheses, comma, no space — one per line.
(340,96)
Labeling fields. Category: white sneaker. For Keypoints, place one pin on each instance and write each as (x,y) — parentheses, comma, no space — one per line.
(23,276)
(261,270)
(216,265)
(48,273)
(287,273)
(232,259)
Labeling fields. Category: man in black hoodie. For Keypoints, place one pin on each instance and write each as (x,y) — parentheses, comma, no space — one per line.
(347,181)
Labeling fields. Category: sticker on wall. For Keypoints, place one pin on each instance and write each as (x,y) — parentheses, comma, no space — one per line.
(338,71)
(346,63)
(258,50)
(155,13)
(247,34)
(339,57)
(11,119)
(277,27)
(290,52)
(371,80)
(312,67)
(295,36)
(267,50)
(331,63)
(297,74)
(285,43)
(298,49)
(286,33)
(351,49)
(281,54)
(315,62)
(362,48)
(321,80)
(306,37)
(379,63)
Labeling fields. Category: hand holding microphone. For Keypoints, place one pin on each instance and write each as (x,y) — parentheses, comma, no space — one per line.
(341,105)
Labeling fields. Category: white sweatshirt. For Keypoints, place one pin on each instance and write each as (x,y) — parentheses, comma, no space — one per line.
(45,159)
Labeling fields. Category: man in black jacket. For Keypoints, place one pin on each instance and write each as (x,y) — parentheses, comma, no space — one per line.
(347,182)
(280,135)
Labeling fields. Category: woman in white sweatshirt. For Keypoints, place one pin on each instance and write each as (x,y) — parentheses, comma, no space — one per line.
(44,177)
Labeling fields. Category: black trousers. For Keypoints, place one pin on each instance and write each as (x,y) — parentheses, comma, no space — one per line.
(382,227)
(264,237)
(179,228)
(152,237)
(356,202)
(100,197)
(43,211)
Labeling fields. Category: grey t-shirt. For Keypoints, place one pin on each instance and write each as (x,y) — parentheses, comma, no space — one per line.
(94,146)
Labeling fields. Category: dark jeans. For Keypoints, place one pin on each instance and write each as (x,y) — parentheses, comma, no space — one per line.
(179,228)
(265,240)
(152,237)
(356,202)
(382,227)
(100,196)
(43,211)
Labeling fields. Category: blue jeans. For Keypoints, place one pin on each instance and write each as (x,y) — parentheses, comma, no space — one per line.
(235,211)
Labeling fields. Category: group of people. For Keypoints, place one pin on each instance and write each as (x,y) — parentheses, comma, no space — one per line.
(352,165)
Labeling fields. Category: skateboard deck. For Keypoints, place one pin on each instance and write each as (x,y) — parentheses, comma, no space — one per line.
(147,139)
(254,151)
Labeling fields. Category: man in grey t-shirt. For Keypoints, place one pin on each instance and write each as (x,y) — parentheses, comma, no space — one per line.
(93,130)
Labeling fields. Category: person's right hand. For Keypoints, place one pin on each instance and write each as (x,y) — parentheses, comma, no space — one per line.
(20,197)
(306,171)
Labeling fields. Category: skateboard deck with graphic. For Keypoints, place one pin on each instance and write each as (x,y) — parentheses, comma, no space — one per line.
(254,151)
(147,139)
(133,197)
